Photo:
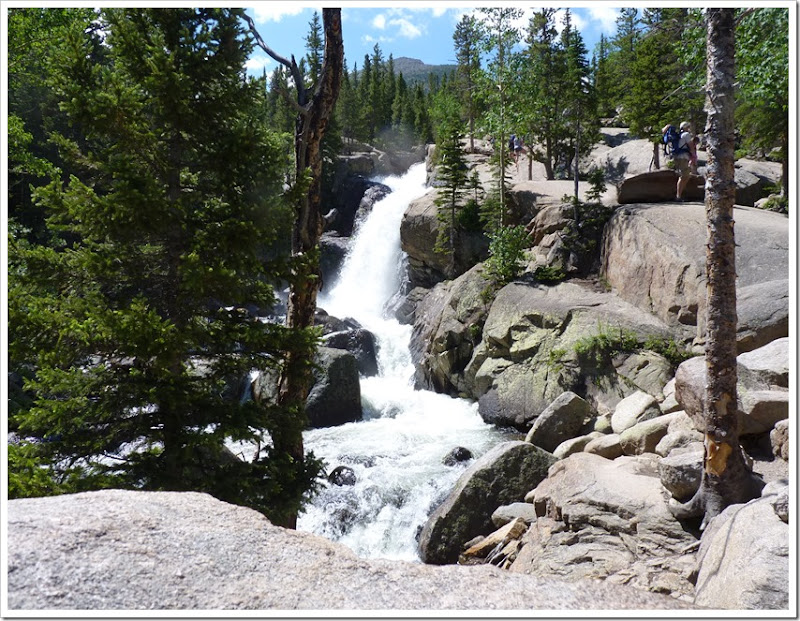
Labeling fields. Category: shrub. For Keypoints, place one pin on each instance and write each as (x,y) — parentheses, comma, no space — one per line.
(506,253)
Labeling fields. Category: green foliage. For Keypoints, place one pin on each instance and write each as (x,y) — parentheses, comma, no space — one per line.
(549,275)
(608,341)
(506,254)
(133,319)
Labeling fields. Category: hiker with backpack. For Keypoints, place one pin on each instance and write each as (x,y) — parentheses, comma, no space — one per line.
(680,147)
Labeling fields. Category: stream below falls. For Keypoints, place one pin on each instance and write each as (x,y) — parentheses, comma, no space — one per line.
(397,450)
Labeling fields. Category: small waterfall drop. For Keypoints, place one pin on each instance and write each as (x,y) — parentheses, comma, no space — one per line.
(397,450)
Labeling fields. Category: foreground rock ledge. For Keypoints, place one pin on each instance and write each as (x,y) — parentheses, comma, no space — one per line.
(166,550)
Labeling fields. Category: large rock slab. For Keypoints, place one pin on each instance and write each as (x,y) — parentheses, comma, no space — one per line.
(528,357)
(607,520)
(658,186)
(335,396)
(419,230)
(654,257)
(447,327)
(758,407)
(499,477)
(750,536)
(123,550)
(562,420)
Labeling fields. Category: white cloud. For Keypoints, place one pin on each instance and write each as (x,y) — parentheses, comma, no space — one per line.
(379,21)
(406,28)
(275,11)
(255,64)
(607,17)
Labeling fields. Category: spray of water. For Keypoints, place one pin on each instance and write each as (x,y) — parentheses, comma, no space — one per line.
(397,451)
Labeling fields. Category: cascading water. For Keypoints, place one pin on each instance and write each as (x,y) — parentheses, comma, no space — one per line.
(397,450)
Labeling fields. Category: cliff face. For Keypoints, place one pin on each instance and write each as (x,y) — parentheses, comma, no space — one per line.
(123,550)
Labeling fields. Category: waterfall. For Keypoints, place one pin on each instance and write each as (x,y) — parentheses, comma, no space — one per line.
(397,450)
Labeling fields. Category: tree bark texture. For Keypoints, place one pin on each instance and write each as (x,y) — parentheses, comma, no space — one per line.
(314,111)
(726,479)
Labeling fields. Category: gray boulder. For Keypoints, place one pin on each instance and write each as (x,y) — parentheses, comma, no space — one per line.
(607,446)
(643,437)
(527,356)
(501,476)
(758,409)
(419,230)
(562,420)
(658,186)
(447,327)
(359,342)
(507,513)
(607,520)
(633,409)
(766,366)
(654,257)
(763,314)
(681,472)
(122,550)
(575,445)
(747,536)
(335,396)
(779,440)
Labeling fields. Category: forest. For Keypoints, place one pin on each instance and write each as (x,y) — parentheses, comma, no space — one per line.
(153,190)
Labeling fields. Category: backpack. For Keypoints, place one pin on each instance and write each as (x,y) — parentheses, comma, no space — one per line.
(671,139)
(511,142)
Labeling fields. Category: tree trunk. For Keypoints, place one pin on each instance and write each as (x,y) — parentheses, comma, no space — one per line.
(726,479)
(313,114)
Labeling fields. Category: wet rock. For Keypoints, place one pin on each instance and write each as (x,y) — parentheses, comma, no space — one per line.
(335,396)
(456,456)
(501,476)
(342,475)
(562,420)
(747,536)
(359,342)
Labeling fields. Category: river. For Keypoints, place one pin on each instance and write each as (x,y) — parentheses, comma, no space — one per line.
(397,450)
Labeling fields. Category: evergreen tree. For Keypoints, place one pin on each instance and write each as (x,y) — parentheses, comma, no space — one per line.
(136,323)
(452,174)
(466,39)
(762,60)
(315,46)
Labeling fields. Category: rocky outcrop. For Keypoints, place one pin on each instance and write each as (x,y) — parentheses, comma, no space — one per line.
(562,420)
(447,327)
(654,257)
(419,230)
(501,476)
(605,519)
(761,403)
(527,356)
(658,187)
(123,550)
(750,536)
(359,342)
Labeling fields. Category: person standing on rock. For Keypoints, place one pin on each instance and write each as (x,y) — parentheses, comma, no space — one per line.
(682,156)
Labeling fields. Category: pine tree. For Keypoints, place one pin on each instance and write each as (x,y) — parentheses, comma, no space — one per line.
(136,324)
(314,49)
(466,39)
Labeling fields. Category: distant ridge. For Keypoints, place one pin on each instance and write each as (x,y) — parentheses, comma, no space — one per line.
(414,70)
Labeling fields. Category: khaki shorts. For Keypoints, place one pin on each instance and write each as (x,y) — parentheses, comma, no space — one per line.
(682,166)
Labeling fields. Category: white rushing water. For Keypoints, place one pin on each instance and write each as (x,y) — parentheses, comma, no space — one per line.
(397,450)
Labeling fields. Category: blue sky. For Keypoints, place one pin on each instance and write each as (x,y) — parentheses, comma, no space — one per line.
(419,30)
